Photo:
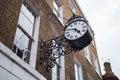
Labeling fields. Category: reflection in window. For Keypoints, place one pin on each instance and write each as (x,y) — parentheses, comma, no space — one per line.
(58,10)
(71,6)
(23,37)
(96,64)
(89,77)
(78,70)
(87,54)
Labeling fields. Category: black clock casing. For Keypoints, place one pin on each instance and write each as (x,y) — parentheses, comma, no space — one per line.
(85,37)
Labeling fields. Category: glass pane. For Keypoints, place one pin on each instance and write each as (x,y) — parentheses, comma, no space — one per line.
(71,6)
(25,23)
(54,73)
(56,6)
(76,72)
(27,13)
(21,40)
(80,73)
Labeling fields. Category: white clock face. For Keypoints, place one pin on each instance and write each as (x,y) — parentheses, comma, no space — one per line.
(75,30)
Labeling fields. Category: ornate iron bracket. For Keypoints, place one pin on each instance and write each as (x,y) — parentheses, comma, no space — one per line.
(53,49)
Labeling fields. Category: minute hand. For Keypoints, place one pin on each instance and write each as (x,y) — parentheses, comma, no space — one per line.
(78,31)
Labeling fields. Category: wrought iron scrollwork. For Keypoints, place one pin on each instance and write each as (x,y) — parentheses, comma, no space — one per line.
(53,49)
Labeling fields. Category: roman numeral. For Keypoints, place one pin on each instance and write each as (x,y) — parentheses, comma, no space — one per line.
(75,23)
(76,36)
(71,25)
(83,30)
(71,36)
(68,35)
(66,32)
(82,24)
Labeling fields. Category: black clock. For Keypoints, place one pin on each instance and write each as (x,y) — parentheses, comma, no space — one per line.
(77,33)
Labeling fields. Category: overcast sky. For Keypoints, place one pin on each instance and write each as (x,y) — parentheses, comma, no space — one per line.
(104,18)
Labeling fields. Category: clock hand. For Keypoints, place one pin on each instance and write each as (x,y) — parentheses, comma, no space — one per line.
(72,29)
(78,31)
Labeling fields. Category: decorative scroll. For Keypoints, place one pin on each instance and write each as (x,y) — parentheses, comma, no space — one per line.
(53,49)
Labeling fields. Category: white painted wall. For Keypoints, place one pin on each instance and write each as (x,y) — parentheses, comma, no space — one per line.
(14,68)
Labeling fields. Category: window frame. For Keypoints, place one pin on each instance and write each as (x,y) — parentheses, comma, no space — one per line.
(58,13)
(78,68)
(87,53)
(72,7)
(20,27)
(35,32)
(96,64)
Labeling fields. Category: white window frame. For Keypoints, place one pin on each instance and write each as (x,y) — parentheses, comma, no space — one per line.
(87,53)
(72,7)
(58,10)
(78,70)
(60,63)
(34,35)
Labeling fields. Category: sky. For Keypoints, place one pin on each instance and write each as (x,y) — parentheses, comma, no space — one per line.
(104,18)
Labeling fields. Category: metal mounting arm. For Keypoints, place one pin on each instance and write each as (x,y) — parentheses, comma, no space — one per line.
(53,49)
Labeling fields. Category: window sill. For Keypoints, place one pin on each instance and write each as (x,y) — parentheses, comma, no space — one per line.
(9,56)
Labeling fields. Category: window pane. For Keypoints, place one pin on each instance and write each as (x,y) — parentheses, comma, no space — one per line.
(76,72)
(56,6)
(71,6)
(27,13)
(21,40)
(87,54)
(96,64)
(56,9)
(25,23)
(89,77)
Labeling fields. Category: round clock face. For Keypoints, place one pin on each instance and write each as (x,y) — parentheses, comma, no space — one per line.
(75,30)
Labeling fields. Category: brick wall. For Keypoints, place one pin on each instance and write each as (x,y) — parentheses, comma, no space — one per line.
(49,27)
(9,12)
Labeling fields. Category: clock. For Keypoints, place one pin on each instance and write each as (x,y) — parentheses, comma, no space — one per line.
(75,30)
(77,33)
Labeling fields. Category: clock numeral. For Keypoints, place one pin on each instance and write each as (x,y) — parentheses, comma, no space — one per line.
(75,23)
(66,32)
(82,24)
(76,36)
(83,30)
(71,36)
(79,22)
(71,25)
(67,35)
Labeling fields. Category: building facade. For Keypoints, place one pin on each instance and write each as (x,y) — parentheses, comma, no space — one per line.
(24,24)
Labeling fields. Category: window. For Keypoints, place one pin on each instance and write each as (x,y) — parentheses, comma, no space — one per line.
(58,71)
(96,64)
(89,77)
(87,54)
(58,10)
(72,6)
(26,36)
(78,70)
(23,36)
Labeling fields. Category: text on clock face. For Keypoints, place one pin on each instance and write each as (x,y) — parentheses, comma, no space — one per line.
(75,30)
